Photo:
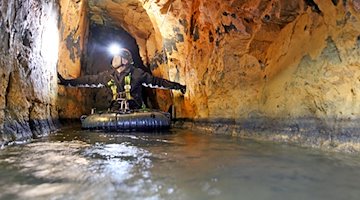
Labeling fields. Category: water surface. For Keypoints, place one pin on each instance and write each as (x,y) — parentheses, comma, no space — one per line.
(181,164)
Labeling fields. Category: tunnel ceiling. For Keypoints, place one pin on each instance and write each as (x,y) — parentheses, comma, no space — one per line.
(128,14)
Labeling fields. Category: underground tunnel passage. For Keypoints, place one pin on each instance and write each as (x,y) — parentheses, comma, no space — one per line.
(98,59)
(267,79)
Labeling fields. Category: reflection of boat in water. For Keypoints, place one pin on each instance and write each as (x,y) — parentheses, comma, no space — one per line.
(131,120)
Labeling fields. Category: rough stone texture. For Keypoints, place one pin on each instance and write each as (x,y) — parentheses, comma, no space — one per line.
(273,58)
(260,60)
(241,60)
(28,89)
(74,25)
(128,14)
(327,134)
(73,30)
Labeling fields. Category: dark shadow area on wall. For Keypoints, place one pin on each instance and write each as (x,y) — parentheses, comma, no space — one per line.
(98,58)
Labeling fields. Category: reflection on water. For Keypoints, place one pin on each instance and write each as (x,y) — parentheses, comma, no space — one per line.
(79,164)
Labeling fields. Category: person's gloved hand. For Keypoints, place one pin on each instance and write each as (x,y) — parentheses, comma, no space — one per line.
(183,89)
(61,80)
(180,87)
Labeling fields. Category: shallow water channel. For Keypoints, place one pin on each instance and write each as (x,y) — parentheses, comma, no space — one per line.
(180,164)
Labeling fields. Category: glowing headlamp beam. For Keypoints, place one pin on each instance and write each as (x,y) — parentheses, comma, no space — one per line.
(114,49)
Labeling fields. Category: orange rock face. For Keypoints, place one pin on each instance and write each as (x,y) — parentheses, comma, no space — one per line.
(72,102)
(244,58)
(73,29)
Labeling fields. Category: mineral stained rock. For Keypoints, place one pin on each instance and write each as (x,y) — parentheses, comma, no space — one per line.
(273,58)
(264,61)
(28,58)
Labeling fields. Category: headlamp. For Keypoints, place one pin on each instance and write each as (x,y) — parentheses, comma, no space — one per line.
(114,49)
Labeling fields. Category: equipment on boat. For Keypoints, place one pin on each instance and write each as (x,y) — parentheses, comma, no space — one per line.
(125,119)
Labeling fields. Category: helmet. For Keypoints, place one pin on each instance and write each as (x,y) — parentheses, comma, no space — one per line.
(126,54)
(123,53)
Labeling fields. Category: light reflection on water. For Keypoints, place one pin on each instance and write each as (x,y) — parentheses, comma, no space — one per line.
(181,164)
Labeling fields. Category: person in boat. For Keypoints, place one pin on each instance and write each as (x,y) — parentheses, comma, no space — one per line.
(124,79)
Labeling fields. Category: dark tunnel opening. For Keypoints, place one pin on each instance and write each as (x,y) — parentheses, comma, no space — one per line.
(98,58)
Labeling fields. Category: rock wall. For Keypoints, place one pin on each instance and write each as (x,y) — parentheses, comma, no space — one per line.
(264,58)
(247,58)
(318,68)
(241,58)
(28,57)
(74,25)
(274,65)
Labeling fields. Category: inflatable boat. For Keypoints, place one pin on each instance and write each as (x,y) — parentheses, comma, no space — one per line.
(131,120)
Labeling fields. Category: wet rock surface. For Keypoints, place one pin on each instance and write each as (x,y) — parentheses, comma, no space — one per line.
(27,69)
(326,134)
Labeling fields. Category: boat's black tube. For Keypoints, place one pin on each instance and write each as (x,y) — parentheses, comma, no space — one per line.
(135,121)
